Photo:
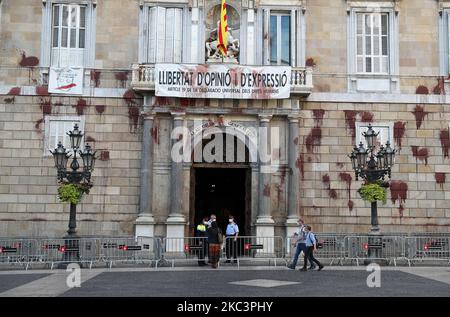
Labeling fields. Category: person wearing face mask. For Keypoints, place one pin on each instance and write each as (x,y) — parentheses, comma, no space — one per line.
(231,241)
(203,242)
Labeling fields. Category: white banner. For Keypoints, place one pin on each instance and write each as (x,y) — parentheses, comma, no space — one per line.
(66,81)
(222,81)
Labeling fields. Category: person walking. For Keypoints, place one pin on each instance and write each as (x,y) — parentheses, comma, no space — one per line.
(202,242)
(311,246)
(214,244)
(231,241)
(300,246)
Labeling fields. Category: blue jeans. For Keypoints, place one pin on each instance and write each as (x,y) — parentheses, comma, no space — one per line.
(300,247)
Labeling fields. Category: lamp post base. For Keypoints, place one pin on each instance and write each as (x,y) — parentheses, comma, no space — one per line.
(375,249)
(71,252)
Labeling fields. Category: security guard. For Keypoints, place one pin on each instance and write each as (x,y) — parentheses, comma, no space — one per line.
(231,243)
(203,242)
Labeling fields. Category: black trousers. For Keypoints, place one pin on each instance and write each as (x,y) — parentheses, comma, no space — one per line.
(309,255)
(231,247)
(203,252)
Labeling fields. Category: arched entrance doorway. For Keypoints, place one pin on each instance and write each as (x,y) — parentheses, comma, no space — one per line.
(221,183)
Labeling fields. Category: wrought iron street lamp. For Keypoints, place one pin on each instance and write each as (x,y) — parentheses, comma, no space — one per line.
(74,176)
(373,167)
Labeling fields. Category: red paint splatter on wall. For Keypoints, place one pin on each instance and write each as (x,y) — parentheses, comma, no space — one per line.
(95,77)
(313,139)
(318,116)
(422,90)
(440,179)
(100,108)
(104,155)
(90,139)
(347,178)
(439,89)
(399,191)
(37,126)
(445,141)
(332,193)
(133,115)
(326,180)
(366,116)
(419,114)
(339,164)
(399,132)
(15,91)
(129,97)
(310,62)
(80,106)
(350,205)
(9,100)
(46,107)
(420,154)
(266,191)
(42,90)
(350,119)
(299,163)
(155,134)
(122,77)
(28,61)
(187,102)
(162,101)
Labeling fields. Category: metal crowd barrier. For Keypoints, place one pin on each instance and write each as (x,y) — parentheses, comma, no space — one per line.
(428,248)
(184,249)
(252,248)
(19,251)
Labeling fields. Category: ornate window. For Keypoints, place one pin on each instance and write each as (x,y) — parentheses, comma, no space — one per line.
(280,38)
(56,128)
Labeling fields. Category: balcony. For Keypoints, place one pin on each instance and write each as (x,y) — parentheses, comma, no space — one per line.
(143,79)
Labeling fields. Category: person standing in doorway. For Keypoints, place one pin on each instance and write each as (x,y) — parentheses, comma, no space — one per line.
(300,246)
(231,241)
(212,218)
(202,242)
(311,246)
(214,244)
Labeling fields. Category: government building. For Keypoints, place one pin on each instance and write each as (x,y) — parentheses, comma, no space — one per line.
(263,132)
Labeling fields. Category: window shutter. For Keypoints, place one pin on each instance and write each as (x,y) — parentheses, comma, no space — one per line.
(178,36)
(448,38)
(152,35)
(161,34)
(169,40)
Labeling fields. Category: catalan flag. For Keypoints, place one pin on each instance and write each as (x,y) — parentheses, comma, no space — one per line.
(223,30)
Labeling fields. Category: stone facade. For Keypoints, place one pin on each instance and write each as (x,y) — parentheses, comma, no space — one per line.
(315,179)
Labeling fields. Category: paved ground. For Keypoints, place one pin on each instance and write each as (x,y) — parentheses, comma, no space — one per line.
(228,282)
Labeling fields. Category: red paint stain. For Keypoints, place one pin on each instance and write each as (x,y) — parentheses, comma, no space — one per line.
(419,114)
(155,134)
(104,155)
(80,106)
(332,193)
(366,116)
(299,163)
(129,97)
(100,108)
(340,165)
(350,205)
(445,141)
(95,77)
(187,102)
(42,90)
(37,126)
(122,77)
(399,132)
(28,61)
(15,91)
(420,154)
(318,116)
(350,119)
(439,89)
(162,101)
(9,100)
(310,62)
(347,178)
(133,115)
(440,179)
(46,107)
(326,180)
(90,139)
(399,191)
(313,139)
(422,90)
(266,190)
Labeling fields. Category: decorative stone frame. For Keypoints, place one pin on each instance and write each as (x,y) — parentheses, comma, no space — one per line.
(373,82)
(48,118)
(360,127)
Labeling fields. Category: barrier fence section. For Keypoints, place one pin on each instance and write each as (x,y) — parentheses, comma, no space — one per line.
(428,248)
(184,249)
(254,248)
(19,251)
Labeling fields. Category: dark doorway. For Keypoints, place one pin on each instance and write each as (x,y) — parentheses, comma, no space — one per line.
(222,191)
